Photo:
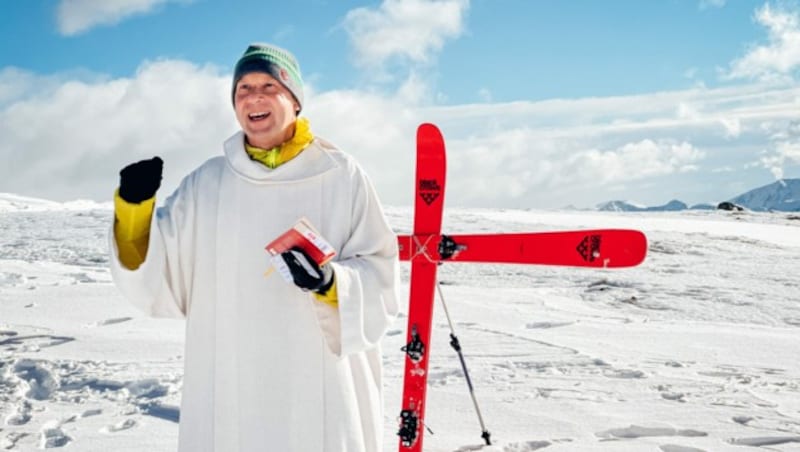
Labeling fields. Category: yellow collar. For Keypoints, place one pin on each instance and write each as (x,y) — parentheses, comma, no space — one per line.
(279,155)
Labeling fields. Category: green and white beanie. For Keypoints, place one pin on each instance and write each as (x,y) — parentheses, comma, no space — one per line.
(276,62)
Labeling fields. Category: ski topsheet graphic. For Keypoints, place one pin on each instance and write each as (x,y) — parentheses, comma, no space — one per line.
(427,247)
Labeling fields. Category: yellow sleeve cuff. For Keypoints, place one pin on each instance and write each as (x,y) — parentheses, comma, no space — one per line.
(330,297)
(132,230)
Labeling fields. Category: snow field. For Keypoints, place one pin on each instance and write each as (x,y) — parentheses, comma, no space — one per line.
(694,350)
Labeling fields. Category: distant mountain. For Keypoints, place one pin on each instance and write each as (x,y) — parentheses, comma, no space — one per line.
(782,195)
(622,206)
(618,206)
(10,202)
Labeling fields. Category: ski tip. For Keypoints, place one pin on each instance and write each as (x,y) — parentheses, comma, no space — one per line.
(638,247)
(644,247)
(428,126)
(428,131)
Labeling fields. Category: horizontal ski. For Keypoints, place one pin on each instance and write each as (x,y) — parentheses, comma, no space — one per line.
(601,248)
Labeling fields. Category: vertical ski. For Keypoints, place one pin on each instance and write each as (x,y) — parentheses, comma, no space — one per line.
(428,207)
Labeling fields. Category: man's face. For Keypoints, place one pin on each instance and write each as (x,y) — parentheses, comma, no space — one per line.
(265,109)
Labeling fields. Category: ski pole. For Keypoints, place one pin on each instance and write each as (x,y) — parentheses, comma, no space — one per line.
(457,346)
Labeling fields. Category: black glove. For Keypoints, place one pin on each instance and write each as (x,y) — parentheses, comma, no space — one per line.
(139,181)
(306,273)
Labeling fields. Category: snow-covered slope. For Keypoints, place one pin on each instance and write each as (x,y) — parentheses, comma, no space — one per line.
(694,350)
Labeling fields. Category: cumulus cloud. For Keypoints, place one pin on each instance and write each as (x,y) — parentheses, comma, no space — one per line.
(525,164)
(67,137)
(785,153)
(70,141)
(16,83)
(78,16)
(732,127)
(411,31)
(780,56)
(632,161)
(784,149)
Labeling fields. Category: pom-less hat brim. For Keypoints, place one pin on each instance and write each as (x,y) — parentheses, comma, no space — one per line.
(256,65)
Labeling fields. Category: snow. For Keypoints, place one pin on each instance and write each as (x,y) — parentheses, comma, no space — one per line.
(694,350)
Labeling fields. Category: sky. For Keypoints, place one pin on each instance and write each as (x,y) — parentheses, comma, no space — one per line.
(542,104)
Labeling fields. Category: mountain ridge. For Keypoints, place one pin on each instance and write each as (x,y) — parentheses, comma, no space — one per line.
(782,195)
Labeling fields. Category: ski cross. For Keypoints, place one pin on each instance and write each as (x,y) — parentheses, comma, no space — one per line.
(426,248)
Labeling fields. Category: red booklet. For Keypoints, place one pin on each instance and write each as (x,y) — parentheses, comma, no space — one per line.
(304,236)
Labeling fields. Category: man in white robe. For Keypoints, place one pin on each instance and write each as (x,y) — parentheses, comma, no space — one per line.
(269,365)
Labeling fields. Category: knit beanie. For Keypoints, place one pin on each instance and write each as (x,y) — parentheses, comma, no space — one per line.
(276,62)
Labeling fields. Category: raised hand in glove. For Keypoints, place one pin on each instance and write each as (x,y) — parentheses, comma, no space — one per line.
(139,181)
(306,273)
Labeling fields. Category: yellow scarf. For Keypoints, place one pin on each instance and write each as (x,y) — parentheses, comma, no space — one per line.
(279,155)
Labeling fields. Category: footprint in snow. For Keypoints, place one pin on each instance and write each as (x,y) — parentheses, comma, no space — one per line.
(109,322)
(10,441)
(635,431)
(761,441)
(674,396)
(526,446)
(743,420)
(52,436)
(676,448)
(34,343)
(546,325)
(624,373)
(39,377)
(119,426)
(92,412)
(21,415)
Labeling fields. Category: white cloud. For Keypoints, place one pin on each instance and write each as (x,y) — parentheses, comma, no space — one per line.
(784,149)
(76,133)
(18,83)
(78,16)
(70,142)
(780,57)
(732,127)
(632,161)
(412,31)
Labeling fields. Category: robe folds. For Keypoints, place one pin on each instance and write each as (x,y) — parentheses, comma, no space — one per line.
(268,367)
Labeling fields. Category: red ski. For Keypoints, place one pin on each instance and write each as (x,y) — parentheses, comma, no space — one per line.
(428,206)
(605,248)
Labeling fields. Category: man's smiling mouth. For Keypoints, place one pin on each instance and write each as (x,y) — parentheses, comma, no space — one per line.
(258,116)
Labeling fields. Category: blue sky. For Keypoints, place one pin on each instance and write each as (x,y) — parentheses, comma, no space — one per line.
(542,103)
